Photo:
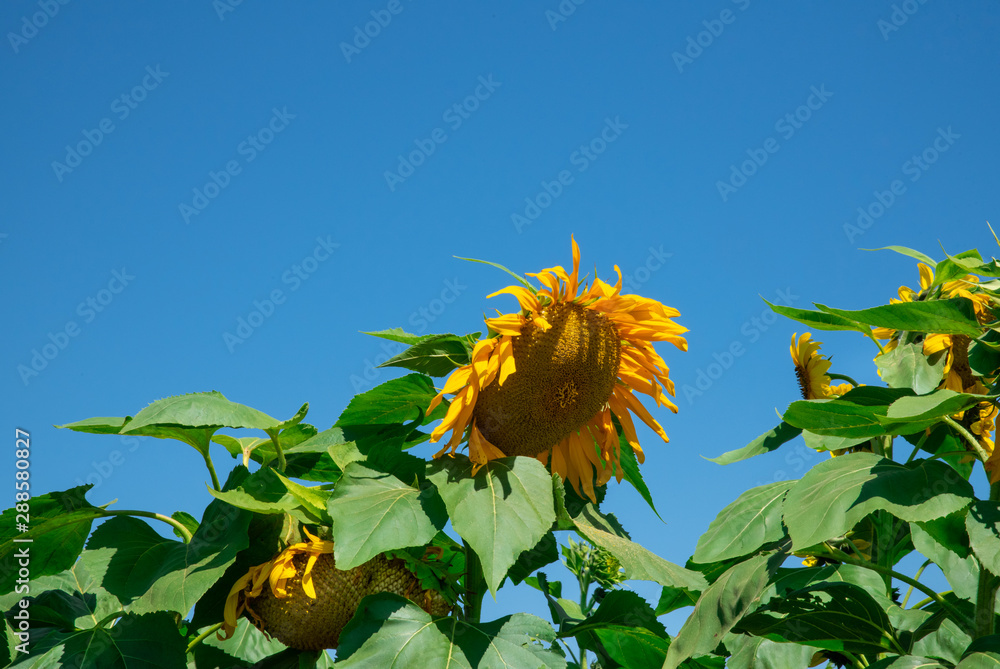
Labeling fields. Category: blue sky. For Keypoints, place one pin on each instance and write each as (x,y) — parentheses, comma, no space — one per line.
(170,168)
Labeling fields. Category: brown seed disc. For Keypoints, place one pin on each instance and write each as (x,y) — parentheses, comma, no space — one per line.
(564,376)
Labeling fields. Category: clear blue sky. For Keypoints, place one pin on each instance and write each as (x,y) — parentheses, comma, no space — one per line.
(167,165)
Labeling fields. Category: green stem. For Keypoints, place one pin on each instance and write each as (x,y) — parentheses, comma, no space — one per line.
(107,619)
(922,603)
(956,615)
(282,463)
(475,585)
(211,470)
(149,514)
(917,577)
(916,449)
(201,637)
(969,437)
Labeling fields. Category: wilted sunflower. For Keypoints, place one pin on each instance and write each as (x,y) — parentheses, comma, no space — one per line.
(300,598)
(547,384)
(956,372)
(811,368)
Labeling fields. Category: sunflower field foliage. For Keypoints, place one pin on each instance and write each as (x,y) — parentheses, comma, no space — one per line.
(487,462)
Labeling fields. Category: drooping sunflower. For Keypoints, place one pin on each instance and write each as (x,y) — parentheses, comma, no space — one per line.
(552,376)
(956,374)
(300,597)
(811,368)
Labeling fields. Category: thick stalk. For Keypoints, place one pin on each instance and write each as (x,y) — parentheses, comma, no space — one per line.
(158,516)
(282,463)
(475,585)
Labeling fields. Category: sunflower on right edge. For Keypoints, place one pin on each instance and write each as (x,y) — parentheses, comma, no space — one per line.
(550,379)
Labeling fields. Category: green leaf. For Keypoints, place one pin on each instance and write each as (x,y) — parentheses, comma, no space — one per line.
(400,336)
(672,599)
(765,443)
(906,366)
(855,415)
(151,573)
(374,512)
(545,552)
(980,661)
(185,519)
(265,491)
(437,355)
(983,525)
(962,573)
(984,359)
(505,509)
(749,522)
(721,606)
(836,494)
(825,442)
(945,643)
(200,410)
(520,279)
(96,425)
(58,524)
(299,416)
(638,562)
(926,259)
(633,647)
(791,580)
(248,644)
(313,500)
(835,616)
(620,608)
(631,473)
(754,652)
(395,401)
(953,316)
(943,440)
(389,631)
(819,320)
(909,415)
(950,531)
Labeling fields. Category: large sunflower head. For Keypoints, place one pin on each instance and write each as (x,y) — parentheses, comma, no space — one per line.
(300,597)
(550,380)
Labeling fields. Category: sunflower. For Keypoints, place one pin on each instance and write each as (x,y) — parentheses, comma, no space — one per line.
(811,369)
(303,600)
(956,373)
(550,380)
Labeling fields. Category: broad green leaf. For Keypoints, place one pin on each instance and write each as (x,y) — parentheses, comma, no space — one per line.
(855,415)
(299,416)
(909,415)
(907,662)
(505,509)
(150,573)
(545,552)
(633,647)
(950,531)
(765,443)
(248,644)
(374,512)
(55,530)
(185,519)
(746,524)
(391,632)
(313,500)
(437,355)
(906,366)
(953,316)
(638,562)
(620,608)
(200,410)
(957,266)
(926,259)
(149,641)
(754,652)
(983,525)
(721,606)
(819,320)
(85,601)
(264,491)
(400,336)
(980,661)
(672,599)
(947,643)
(835,616)
(791,580)
(962,573)
(98,425)
(984,358)
(944,443)
(395,401)
(836,494)
(825,442)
